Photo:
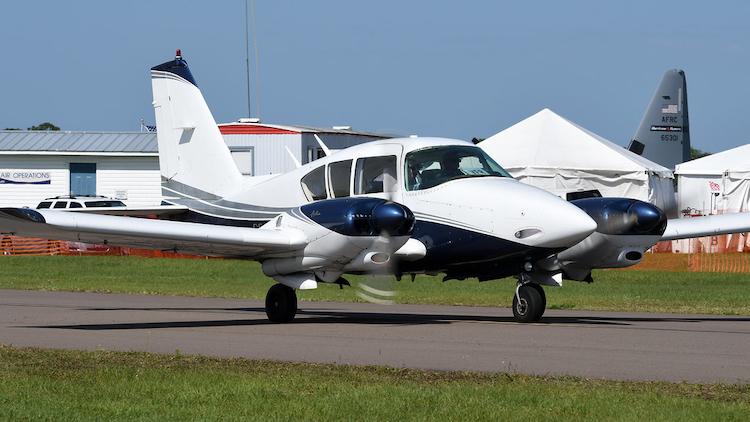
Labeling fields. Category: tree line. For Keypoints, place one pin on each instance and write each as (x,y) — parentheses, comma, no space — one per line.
(40,126)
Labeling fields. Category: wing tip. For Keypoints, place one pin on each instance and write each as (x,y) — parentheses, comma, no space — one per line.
(26,214)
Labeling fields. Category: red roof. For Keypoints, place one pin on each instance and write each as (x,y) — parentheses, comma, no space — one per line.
(253,129)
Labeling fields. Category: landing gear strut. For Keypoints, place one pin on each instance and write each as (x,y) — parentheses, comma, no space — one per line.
(281,303)
(529,302)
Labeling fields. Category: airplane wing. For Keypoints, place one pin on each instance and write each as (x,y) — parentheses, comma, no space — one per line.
(198,238)
(710,225)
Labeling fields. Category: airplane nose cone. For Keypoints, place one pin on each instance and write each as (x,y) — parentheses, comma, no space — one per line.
(570,226)
(393,219)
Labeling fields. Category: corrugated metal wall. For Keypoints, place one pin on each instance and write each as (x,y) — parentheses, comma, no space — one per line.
(332,141)
(269,150)
(12,195)
(137,176)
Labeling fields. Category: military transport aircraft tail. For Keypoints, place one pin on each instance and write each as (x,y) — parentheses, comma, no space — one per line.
(664,133)
(193,157)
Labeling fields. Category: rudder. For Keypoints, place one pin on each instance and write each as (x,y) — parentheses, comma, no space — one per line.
(664,133)
(192,151)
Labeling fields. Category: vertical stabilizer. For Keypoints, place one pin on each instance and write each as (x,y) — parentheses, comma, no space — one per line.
(664,133)
(192,152)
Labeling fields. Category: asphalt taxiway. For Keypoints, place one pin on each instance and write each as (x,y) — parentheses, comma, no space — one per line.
(613,345)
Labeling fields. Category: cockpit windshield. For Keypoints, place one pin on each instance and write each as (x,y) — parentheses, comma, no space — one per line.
(429,167)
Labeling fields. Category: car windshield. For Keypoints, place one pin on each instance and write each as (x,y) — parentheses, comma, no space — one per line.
(429,167)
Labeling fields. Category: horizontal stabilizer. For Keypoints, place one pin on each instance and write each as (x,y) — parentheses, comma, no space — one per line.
(710,225)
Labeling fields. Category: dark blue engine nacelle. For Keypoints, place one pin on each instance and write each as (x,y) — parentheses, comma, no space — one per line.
(624,216)
(361,216)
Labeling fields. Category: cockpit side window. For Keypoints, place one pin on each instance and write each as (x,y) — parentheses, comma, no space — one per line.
(429,167)
(339,175)
(314,184)
(375,175)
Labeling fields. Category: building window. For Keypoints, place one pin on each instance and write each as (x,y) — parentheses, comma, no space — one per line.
(375,175)
(313,153)
(339,175)
(244,158)
(314,184)
(83,179)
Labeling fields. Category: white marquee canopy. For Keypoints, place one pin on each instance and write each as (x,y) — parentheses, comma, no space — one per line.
(555,154)
(717,183)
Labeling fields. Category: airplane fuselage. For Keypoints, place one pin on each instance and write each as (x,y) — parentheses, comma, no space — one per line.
(475,214)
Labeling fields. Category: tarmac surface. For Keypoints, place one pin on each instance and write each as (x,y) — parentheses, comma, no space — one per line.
(613,345)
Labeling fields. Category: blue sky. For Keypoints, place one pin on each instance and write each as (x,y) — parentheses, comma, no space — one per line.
(455,69)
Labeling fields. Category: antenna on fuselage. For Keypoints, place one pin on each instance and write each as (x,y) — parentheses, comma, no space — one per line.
(322,145)
(296,162)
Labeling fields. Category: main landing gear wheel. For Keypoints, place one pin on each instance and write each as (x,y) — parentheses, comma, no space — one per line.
(281,303)
(529,303)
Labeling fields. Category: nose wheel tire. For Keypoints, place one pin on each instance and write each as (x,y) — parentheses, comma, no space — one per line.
(281,303)
(529,303)
(540,289)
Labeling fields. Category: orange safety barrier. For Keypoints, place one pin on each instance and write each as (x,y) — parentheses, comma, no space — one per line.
(709,254)
(14,245)
(732,262)
(29,246)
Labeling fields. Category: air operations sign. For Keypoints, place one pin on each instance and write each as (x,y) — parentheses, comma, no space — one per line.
(24,177)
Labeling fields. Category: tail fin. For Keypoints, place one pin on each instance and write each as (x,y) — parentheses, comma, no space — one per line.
(664,134)
(192,151)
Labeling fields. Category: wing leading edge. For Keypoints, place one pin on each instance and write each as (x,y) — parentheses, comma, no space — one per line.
(198,238)
(710,225)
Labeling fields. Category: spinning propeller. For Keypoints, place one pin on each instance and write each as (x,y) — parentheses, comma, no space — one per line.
(378,284)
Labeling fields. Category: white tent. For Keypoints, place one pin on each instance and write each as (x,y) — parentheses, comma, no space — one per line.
(555,154)
(717,183)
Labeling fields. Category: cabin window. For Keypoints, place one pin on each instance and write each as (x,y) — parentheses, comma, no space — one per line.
(314,184)
(339,175)
(61,204)
(375,175)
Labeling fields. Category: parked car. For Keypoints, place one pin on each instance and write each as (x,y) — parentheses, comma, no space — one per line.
(80,201)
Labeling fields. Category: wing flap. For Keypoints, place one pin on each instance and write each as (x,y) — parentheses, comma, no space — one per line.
(710,225)
(151,234)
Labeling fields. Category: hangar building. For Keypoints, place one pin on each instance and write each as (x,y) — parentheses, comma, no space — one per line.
(36,165)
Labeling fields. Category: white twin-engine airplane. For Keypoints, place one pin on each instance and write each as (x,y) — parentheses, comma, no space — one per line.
(407,206)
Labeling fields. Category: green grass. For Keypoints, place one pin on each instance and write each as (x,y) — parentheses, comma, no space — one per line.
(73,385)
(653,291)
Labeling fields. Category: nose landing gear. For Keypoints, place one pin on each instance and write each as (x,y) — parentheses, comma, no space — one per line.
(529,302)
(281,303)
